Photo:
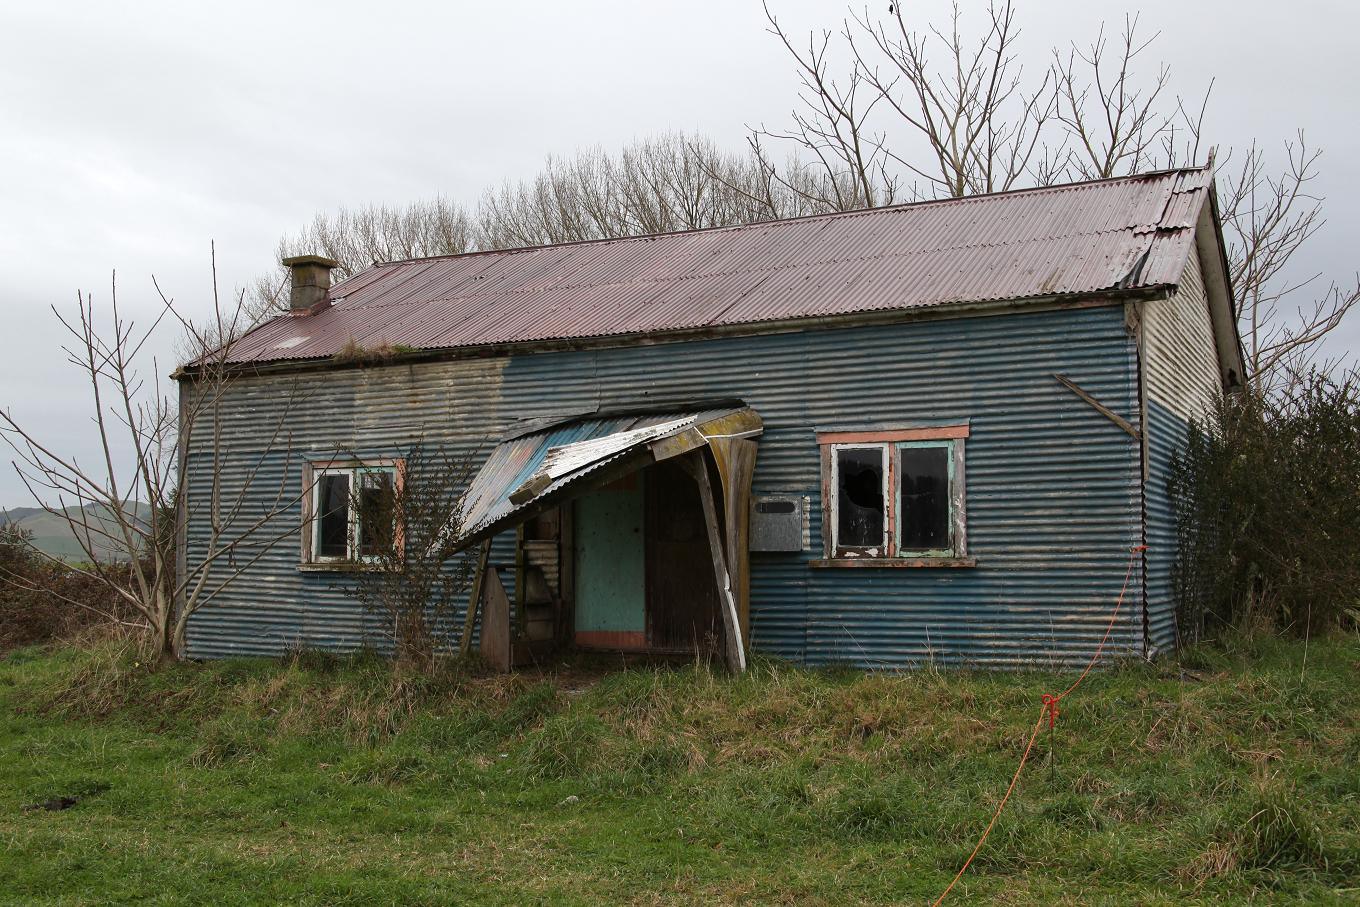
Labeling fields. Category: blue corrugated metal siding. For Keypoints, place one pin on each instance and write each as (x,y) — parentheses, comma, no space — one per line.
(1167,435)
(362,412)
(1052,486)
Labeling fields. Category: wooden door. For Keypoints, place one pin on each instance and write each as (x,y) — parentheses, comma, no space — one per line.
(682,600)
(610,571)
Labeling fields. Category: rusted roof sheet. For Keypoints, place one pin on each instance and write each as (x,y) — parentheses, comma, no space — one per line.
(1084,238)
(563,454)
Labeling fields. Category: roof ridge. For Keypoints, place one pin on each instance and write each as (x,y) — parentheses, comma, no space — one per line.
(827,215)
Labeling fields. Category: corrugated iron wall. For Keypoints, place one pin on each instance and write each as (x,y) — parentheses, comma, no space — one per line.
(1053,491)
(1167,434)
(1182,386)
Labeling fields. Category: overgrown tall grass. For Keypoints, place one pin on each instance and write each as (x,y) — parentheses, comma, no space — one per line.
(1228,776)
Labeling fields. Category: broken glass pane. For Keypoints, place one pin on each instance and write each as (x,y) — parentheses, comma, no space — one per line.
(860,504)
(375,513)
(924,500)
(332,522)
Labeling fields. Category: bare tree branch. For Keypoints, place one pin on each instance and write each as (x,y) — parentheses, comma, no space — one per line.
(131,512)
(1267,218)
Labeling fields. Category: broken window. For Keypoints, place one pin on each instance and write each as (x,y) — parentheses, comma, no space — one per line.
(353,512)
(895,494)
(332,516)
(376,505)
(923,510)
(861,517)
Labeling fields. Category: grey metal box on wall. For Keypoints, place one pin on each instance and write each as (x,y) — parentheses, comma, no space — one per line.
(779,522)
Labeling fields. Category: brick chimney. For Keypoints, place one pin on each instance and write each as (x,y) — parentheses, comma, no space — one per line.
(310,284)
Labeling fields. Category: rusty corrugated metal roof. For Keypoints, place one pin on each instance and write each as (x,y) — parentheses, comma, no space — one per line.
(1131,232)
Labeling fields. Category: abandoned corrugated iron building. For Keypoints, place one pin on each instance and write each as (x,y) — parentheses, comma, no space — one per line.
(926,432)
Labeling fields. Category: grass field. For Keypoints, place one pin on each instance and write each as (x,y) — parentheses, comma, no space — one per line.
(1232,776)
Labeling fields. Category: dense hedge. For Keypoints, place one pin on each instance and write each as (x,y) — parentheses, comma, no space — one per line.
(1268,511)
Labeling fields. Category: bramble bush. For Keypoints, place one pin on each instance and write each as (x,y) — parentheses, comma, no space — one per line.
(42,601)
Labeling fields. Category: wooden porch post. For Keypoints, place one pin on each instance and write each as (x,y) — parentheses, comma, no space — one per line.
(475,599)
(735,646)
(496,642)
(736,462)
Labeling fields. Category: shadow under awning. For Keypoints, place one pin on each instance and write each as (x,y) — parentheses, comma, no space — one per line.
(526,474)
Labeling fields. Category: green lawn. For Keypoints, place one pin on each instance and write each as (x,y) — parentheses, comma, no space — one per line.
(1232,776)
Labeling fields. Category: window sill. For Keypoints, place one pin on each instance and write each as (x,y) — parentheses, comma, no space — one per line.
(338,567)
(894,562)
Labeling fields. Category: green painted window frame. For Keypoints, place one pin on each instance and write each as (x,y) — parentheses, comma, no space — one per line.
(952,467)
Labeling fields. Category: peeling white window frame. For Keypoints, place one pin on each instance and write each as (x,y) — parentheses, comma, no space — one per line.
(354,470)
(882,547)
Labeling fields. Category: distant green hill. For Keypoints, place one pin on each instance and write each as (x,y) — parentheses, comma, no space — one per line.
(16,514)
(53,534)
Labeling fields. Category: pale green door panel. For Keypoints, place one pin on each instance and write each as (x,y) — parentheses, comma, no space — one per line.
(610,567)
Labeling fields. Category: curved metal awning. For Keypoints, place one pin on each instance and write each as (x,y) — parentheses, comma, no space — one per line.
(527,474)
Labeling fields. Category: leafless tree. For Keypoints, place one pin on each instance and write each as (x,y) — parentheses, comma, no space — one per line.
(358,237)
(132,508)
(967,126)
(976,123)
(889,111)
(571,199)
(982,125)
(415,579)
(656,185)
(1267,218)
(1115,123)
(844,163)
(671,182)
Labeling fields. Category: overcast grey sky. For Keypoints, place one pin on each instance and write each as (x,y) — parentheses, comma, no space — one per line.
(134,134)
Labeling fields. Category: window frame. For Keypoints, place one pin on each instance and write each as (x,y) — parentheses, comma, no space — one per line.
(316,514)
(313,473)
(861,550)
(358,522)
(952,438)
(951,518)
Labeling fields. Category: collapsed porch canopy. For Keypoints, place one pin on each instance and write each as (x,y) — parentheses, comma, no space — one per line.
(535,470)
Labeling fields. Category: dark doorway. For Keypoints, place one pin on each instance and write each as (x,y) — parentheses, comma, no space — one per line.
(682,601)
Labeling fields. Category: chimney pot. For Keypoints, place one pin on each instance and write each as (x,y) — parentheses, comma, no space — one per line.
(311,282)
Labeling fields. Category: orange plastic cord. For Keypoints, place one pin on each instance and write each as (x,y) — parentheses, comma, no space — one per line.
(1048,709)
